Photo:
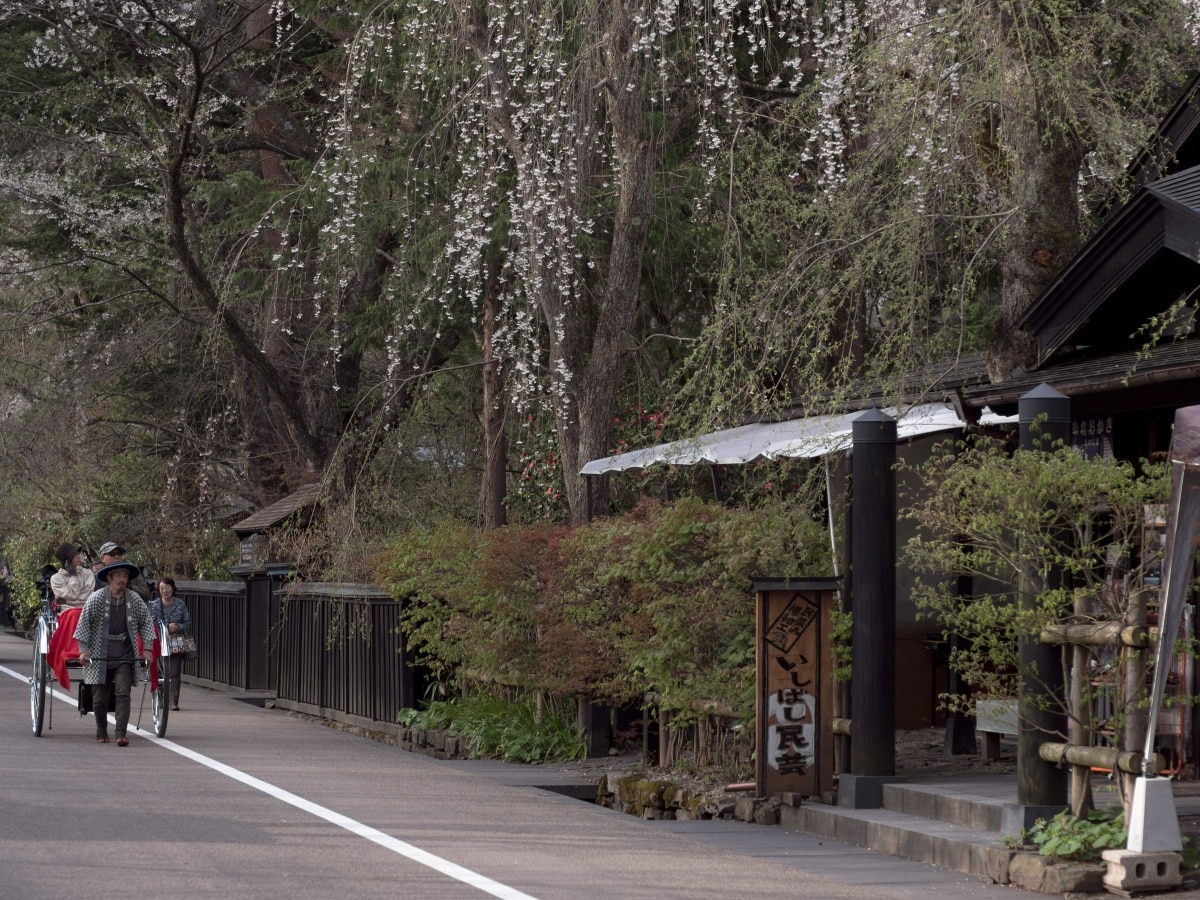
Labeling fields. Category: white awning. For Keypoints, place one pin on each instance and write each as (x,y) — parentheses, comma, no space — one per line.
(795,438)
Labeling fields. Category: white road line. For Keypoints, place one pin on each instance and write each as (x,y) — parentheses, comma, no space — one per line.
(416,854)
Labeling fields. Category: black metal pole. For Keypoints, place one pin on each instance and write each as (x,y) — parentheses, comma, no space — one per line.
(1045,418)
(873,565)
(846,710)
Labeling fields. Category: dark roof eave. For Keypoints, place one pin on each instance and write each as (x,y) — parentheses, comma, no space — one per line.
(1178,361)
(1080,276)
(1161,216)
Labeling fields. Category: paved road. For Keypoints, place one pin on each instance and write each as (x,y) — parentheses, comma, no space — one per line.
(245,802)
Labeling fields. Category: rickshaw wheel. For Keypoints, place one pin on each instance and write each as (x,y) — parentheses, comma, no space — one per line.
(37,682)
(161,697)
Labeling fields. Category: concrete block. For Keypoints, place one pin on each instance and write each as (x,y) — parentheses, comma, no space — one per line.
(1130,871)
(793,818)
(864,791)
(992,862)
(852,831)
(1153,822)
(976,813)
(1017,817)
(1049,876)
(952,855)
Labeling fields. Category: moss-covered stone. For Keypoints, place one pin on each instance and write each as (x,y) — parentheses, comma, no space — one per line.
(637,795)
(602,796)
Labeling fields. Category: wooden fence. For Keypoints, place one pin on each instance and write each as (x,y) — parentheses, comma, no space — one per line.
(224,635)
(342,656)
(331,650)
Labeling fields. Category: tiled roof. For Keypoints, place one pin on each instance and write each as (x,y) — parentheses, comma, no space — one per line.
(278,511)
(1169,361)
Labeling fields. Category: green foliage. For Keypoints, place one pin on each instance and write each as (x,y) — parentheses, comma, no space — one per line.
(26,553)
(658,600)
(1079,840)
(434,571)
(843,633)
(877,218)
(538,491)
(347,180)
(494,727)
(1062,528)
(1191,854)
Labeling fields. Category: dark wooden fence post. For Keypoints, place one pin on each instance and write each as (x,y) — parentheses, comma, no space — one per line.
(1045,418)
(873,649)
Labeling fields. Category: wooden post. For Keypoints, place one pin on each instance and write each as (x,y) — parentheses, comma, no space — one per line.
(1081,727)
(1039,783)
(1134,692)
(960,727)
(664,740)
(873,562)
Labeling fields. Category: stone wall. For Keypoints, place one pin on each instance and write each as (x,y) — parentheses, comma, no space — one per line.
(663,799)
(433,743)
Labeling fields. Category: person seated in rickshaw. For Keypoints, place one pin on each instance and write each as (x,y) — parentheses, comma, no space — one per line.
(74,582)
(112,620)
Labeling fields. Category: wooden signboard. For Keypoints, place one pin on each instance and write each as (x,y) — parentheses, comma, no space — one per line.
(794,698)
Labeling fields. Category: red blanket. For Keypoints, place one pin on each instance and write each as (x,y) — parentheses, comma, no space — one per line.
(64,647)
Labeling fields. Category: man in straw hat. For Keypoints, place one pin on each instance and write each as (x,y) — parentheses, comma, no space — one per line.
(110,623)
(112,552)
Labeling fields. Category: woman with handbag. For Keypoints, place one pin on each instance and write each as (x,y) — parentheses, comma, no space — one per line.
(173,612)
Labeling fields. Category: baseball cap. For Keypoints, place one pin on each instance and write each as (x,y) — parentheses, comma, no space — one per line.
(109,547)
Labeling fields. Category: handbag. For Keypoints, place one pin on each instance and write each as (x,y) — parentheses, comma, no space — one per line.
(183,644)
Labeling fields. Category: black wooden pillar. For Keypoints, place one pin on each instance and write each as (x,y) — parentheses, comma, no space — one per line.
(1045,418)
(873,562)
(960,727)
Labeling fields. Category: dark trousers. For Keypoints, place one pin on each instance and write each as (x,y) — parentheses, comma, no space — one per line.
(119,679)
(175,667)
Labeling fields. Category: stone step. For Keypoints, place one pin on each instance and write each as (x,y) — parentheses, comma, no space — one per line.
(959,848)
(925,801)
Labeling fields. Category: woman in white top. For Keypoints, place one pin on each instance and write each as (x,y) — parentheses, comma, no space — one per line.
(74,582)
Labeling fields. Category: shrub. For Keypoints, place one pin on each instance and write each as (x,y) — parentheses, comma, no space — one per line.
(1075,839)
(1070,526)
(495,727)
(658,600)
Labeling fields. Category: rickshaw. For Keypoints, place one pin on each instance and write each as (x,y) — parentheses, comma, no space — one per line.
(55,652)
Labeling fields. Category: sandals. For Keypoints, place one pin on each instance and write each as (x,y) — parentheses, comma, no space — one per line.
(102,739)
(122,742)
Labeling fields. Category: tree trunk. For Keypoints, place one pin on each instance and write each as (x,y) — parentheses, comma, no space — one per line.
(636,155)
(1046,158)
(495,458)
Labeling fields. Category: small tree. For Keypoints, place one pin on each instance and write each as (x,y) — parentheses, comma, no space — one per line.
(658,601)
(1074,525)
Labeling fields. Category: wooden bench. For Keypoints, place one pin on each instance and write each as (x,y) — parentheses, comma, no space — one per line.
(992,719)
